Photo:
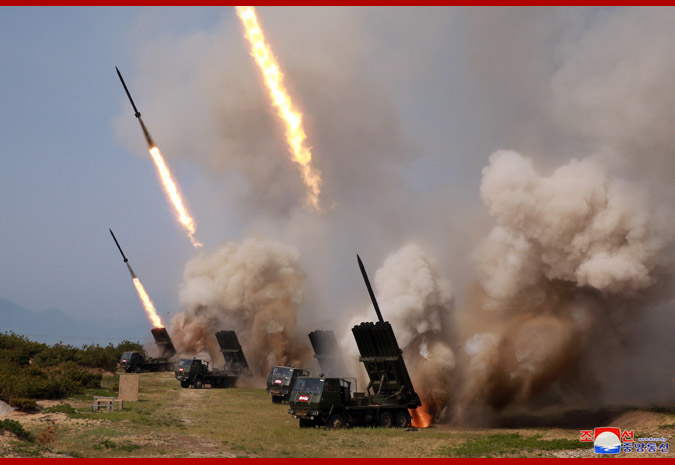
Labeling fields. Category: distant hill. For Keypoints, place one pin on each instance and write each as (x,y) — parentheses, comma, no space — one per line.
(53,326)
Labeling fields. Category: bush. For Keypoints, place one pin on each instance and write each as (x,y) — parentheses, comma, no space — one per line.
(27,405)
(62,408)
(15,427)
(33,370)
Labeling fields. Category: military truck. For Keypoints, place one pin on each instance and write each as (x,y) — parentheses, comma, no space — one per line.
(195,372)
(281,380)
(319,401)
(139,362)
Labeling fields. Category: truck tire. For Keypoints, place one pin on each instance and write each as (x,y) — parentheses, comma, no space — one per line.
(198,384)
(386,419)
(185,384)
(336,421)
(137,369)
(277,399)
(402,419)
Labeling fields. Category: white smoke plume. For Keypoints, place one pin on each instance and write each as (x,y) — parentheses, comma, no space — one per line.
(253,288)
(417,300)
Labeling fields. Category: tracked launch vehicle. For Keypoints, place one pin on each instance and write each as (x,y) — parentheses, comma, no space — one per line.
(389,395)
(138,362)
(195,372)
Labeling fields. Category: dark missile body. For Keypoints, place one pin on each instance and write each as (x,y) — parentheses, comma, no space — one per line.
(118,245)
(126,260)
(137,113)
(370,289)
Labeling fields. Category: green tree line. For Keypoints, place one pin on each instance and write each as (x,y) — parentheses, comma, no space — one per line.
(33,370)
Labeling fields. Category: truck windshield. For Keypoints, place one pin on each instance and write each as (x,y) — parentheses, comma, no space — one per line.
(311,385)
(183,363)
(126,356)
(281,372)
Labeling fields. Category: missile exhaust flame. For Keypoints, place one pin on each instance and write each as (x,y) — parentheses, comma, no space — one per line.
(147,303)
(145,299)
(168,183)
(295,134)
(174,196)
(421,418)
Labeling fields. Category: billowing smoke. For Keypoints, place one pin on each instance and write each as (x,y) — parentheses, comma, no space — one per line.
(253,288)
(571,282)
(416,299)
(566,262)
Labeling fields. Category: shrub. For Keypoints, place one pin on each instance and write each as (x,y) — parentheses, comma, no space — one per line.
(62,408)
(21,403)
(15,427)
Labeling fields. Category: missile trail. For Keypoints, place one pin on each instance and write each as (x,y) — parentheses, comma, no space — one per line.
(148,306)
(291,117)
(170,187)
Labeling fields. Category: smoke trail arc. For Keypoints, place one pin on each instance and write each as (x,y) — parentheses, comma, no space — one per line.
(292,118)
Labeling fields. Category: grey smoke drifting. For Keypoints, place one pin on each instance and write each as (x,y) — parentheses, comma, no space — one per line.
(253,288)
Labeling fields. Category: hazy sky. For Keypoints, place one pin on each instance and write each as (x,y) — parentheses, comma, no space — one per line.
(403,107)
(69,172)
(66,178)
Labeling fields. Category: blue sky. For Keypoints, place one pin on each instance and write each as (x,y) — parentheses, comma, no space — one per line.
(65,176)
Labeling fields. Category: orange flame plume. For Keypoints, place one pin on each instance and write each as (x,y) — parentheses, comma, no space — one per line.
(174,196)
(421,418)
(295,134)
(147,304)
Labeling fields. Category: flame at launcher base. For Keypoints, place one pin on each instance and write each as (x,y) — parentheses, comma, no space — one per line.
(147,304)
(295,134)
(174,196)
(421,418)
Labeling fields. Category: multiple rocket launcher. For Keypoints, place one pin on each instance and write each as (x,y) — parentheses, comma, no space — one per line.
(376,342)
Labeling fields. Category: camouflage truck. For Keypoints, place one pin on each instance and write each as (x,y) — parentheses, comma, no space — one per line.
(139,362)
(281,380)
(195,372)
(329,401)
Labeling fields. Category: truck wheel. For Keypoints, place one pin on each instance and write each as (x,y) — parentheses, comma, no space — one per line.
(185,384)
(336,421)
(386,420)
(138,369)
(402,419)
(198,384)
(277,399)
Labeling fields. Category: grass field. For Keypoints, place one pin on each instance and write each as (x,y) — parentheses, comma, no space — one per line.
(169,421)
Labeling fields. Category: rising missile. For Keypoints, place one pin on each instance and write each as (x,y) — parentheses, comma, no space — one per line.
(137,113)
(370,289)
(126,260)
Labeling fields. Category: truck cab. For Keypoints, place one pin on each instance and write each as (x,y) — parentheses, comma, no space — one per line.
(132,361)
(320,401)
(281,380)
(191,372)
